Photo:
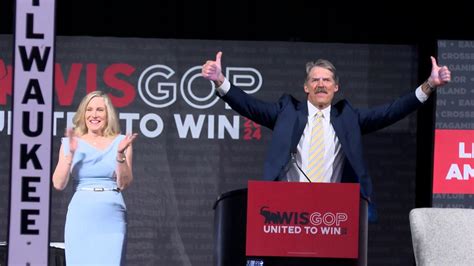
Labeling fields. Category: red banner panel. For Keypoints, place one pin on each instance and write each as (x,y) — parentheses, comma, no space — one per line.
(291,219)
(453,171)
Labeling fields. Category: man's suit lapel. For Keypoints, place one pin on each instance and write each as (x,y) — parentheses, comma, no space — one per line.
(339,129)
(337,123)
(301,120)
(341,132)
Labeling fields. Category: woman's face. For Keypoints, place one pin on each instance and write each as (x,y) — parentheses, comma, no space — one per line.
(96,115)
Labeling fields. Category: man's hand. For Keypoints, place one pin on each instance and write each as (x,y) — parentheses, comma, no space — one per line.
(212,70)
(440,75)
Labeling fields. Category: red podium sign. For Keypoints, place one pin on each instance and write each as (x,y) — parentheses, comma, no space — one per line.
(291,219)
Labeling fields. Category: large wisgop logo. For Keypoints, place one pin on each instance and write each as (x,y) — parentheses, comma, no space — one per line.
(158,86)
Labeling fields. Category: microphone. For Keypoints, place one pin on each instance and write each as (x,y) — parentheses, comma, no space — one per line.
(297,166)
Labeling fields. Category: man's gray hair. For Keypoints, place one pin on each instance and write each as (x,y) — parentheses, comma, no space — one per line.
(324,64)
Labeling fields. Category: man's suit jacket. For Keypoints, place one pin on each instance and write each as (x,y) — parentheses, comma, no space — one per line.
(288,117)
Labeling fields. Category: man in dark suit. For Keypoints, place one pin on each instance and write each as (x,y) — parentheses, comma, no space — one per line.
(291,149)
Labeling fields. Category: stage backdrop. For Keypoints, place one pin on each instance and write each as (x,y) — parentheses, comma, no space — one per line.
(191,148)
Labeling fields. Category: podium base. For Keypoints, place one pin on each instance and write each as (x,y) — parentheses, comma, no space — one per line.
(276,261)
(254,263)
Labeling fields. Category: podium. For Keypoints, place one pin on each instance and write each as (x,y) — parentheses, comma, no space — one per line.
(234,210)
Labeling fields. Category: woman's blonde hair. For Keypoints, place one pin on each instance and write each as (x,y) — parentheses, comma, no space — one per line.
(112,127)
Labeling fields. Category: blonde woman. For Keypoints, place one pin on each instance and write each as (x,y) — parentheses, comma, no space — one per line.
(98,159)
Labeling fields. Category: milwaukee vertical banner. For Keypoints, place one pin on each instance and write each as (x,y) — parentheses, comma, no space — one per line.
(28,238)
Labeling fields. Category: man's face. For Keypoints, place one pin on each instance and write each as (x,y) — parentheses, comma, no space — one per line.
(320,87)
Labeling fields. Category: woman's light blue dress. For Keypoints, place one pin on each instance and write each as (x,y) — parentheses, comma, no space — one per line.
(96,221)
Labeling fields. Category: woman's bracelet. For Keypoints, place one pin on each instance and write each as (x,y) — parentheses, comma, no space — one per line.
(122,157)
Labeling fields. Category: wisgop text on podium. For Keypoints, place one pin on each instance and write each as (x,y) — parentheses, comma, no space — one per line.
(155,89)
(310,223)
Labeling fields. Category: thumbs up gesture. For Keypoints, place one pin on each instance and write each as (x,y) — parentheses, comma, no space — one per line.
(212,70)
(440,75)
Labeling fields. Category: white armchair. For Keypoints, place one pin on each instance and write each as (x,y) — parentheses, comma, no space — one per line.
(443,236)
